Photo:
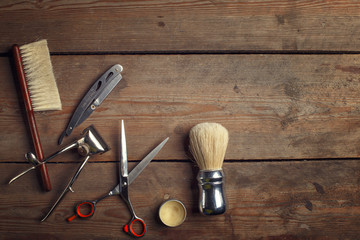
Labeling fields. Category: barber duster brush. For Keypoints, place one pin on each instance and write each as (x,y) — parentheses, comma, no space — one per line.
(208,143)
(39,90)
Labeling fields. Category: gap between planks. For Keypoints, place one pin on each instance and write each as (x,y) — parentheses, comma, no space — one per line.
(201,52)
(192,162)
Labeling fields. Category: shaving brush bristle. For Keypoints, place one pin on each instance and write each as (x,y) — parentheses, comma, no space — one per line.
(208,143)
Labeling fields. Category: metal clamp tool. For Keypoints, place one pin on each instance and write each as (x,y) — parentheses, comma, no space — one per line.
(90,144)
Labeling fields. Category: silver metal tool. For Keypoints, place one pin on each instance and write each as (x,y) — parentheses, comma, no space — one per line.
(89,145)
(93,98)
(79,209)
(122,188)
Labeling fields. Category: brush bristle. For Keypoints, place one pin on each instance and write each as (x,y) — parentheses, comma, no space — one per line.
(208,143)
(40,78)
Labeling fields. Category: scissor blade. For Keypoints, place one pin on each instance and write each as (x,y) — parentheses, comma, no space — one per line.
(142,165)
(124,163)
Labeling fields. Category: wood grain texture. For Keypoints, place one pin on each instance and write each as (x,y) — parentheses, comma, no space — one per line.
(151,26)
(274,106)
(254,66)
(266,200)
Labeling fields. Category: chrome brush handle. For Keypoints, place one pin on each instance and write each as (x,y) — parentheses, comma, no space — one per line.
(212,196)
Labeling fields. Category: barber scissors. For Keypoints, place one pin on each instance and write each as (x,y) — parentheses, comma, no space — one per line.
(122,189)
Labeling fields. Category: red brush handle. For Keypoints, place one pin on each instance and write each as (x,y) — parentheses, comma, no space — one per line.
(31,117)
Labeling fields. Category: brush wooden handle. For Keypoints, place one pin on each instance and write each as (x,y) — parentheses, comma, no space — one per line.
(30,116)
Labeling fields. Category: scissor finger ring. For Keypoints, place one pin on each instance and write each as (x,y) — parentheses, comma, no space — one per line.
(84,210)
(129,228)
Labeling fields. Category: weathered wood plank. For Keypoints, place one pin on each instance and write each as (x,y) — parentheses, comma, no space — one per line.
(274,106)
(126,26)
(266,200)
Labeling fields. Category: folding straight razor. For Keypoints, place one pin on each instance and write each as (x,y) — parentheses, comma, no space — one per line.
(93,98)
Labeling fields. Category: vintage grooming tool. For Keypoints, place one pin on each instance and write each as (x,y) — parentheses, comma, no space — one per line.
(93,98)
(39,90)
(123,187)
(89,145)
(208,143)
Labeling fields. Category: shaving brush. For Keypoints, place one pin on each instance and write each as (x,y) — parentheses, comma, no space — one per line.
(208,143)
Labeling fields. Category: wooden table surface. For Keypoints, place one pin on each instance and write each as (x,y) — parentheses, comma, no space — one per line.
(282,76)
